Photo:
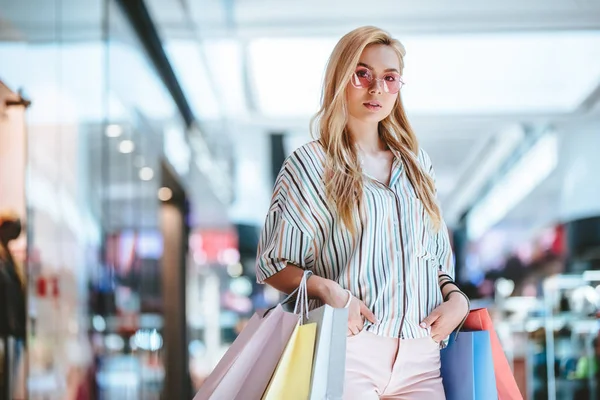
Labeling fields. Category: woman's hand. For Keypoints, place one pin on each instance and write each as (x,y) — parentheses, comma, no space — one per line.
(337,297)
(446,317)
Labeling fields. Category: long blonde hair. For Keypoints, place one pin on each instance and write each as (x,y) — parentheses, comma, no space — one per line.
(343,173)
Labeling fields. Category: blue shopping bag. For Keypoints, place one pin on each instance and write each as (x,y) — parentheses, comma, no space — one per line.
(468,367)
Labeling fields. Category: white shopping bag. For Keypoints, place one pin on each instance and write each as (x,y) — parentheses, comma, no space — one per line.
(329,364)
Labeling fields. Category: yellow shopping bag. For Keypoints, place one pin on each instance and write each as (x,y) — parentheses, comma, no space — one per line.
(291,380)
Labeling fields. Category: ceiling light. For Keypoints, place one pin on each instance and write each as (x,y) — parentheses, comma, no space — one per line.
(235,270)
(165,194)
(482,169)
(301,95)
(524,176)
(225,61)
(146,174)
(126,146)
(114,130)
(198,82)
(484,73)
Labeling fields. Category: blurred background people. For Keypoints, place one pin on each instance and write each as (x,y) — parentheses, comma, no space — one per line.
(12,309)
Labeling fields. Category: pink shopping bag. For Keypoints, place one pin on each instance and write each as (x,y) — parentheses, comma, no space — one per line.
(246,368)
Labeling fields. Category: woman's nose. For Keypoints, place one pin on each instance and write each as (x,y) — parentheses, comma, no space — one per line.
(376,86)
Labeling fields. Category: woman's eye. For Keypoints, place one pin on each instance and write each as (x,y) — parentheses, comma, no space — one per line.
(390,78)
(362,73)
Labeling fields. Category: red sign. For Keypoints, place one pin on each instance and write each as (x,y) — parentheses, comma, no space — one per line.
(212,244)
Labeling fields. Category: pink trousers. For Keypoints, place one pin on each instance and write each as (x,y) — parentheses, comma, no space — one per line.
(378,367)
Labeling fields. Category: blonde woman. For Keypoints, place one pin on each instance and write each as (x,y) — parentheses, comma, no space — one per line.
(358,208)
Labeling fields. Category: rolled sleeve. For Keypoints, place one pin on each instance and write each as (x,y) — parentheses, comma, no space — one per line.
(286,236)
(281,243)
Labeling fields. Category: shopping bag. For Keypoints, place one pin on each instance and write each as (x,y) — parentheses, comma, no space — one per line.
(211,382)
(480,320)
(329,364)
(468,368)
(291,380)
(246,368)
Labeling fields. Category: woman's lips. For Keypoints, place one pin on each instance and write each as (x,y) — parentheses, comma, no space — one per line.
(372,105)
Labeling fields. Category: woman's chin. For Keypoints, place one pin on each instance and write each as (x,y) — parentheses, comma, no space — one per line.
(370,117)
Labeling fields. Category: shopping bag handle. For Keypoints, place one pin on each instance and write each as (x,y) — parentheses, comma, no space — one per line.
(462,323)
(301,306)
(301,299)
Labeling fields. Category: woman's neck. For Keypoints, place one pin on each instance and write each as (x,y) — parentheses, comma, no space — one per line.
(366,136)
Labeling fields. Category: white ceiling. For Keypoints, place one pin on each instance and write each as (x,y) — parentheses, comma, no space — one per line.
(273,18)
(473,69)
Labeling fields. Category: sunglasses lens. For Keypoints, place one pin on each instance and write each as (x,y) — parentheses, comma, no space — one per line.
(362,78)
(392,83)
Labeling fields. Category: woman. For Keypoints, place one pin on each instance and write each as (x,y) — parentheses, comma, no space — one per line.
(358,208)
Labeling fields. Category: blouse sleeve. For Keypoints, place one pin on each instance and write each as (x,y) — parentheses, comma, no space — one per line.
(443,248)
(286,236)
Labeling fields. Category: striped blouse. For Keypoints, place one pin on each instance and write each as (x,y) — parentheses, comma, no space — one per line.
(391,263)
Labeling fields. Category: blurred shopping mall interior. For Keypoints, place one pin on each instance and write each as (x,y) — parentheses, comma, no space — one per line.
(140,141)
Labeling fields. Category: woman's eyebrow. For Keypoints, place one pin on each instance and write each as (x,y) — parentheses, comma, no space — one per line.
(362,64)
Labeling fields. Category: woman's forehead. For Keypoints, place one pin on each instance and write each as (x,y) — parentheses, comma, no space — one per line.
(380,58)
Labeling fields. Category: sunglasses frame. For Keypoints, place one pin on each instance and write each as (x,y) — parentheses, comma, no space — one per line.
(375,80)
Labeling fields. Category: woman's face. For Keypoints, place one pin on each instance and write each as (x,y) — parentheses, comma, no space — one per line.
(372,91)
